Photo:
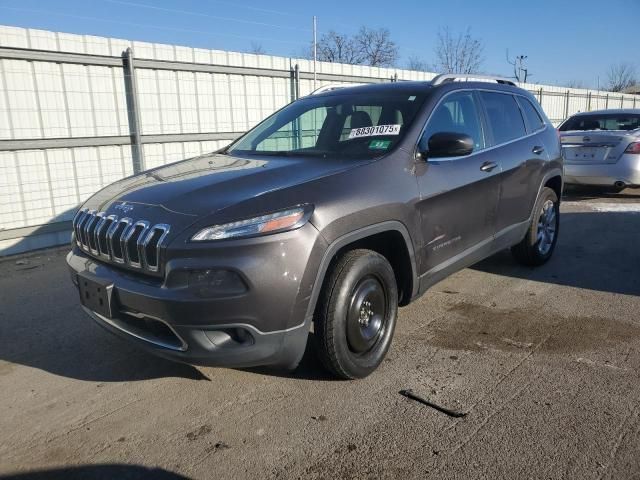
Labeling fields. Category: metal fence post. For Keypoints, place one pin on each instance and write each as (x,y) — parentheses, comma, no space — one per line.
(566,105)
(297,132)
(589,102)
(606,101)
(540,96)
(634,102)
(133,111)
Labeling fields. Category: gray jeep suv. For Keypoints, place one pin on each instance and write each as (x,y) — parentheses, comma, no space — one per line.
(325,217)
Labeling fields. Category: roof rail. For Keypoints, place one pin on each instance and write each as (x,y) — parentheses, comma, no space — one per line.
(470,77)
(335,86)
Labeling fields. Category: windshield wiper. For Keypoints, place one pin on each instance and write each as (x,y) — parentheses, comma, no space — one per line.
(278,153)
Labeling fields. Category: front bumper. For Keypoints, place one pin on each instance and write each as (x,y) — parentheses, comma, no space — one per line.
(267,324)
(625,170)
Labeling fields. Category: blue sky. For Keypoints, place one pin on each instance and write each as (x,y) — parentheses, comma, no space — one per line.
(564,40)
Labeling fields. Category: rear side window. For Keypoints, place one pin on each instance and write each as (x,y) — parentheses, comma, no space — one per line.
(534,120)
(458,113)
(504,117)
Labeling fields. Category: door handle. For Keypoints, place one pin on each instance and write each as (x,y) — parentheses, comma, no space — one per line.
(538,150)
(488,166)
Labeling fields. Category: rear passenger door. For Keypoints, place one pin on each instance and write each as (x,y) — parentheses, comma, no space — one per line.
(519,151)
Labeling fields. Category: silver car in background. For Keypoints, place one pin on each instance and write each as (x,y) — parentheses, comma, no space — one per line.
(602,148)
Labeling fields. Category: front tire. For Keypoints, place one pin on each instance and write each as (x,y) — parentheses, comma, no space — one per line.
(538,244)
(356,314)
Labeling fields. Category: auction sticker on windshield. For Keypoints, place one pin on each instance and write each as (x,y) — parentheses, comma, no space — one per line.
(374,131)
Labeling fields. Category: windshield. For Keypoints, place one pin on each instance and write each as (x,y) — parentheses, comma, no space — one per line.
(362,125)
(608,121)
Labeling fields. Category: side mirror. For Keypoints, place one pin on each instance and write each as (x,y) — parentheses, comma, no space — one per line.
(448,144)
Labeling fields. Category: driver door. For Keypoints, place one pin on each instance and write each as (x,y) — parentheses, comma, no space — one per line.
(458,195)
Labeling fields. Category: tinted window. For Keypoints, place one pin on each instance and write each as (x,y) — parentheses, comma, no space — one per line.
(457,113)
(362,125)
(504,116)
(531,114)
(607,121)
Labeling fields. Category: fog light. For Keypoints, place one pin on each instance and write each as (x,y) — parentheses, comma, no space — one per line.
(215,283)
(230,337)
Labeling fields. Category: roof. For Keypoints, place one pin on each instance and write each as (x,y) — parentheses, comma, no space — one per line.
(413,86)
(614,111)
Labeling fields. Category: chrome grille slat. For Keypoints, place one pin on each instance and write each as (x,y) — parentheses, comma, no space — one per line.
(104,225)
(110,231)
(91,233)
(129,238)
(120,240)
(81,228)
(149,243)
(76,224)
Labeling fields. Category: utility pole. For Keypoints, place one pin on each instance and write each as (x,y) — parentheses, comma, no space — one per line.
(315,49)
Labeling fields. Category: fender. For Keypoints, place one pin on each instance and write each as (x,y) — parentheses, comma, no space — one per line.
(554,172)
(342,241)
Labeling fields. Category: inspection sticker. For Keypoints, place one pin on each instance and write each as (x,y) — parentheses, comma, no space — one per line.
(379,144)
(373,131)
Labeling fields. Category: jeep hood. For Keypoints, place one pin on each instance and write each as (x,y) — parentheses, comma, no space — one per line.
(207,184)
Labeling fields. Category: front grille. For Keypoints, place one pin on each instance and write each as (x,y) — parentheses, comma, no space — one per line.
(120,240)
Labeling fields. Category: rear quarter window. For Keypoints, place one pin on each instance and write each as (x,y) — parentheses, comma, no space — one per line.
(534,121)
(504,117)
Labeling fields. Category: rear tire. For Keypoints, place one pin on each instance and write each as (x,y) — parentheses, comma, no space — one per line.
(356,314)
(538,244)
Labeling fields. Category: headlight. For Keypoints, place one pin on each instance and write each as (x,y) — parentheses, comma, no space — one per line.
(272,223)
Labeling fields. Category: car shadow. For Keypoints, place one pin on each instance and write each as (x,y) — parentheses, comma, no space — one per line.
(582,192)
(97,472)
(42,326)
(595,251)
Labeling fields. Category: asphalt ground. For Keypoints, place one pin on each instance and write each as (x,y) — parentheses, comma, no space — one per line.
(544,362)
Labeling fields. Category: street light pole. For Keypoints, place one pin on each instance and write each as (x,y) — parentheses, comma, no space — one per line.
(315,49)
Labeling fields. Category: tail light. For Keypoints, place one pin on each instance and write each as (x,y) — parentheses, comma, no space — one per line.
(633,148)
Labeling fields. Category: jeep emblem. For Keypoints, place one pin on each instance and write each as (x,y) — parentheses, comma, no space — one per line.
(124,207)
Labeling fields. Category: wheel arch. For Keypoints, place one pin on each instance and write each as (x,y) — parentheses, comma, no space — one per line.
(554,182)
(381,237)
(552,179)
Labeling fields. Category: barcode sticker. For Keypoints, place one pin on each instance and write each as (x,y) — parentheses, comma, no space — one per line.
(374,131)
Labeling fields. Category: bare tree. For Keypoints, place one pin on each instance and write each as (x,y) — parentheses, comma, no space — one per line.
(458,53)
(257,48)
(620,76)
(376,47)
(372,47)
(339,48)
(417,64)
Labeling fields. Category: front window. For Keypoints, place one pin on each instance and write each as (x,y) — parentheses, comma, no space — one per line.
(458,113)
(365,125)
(602,121)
